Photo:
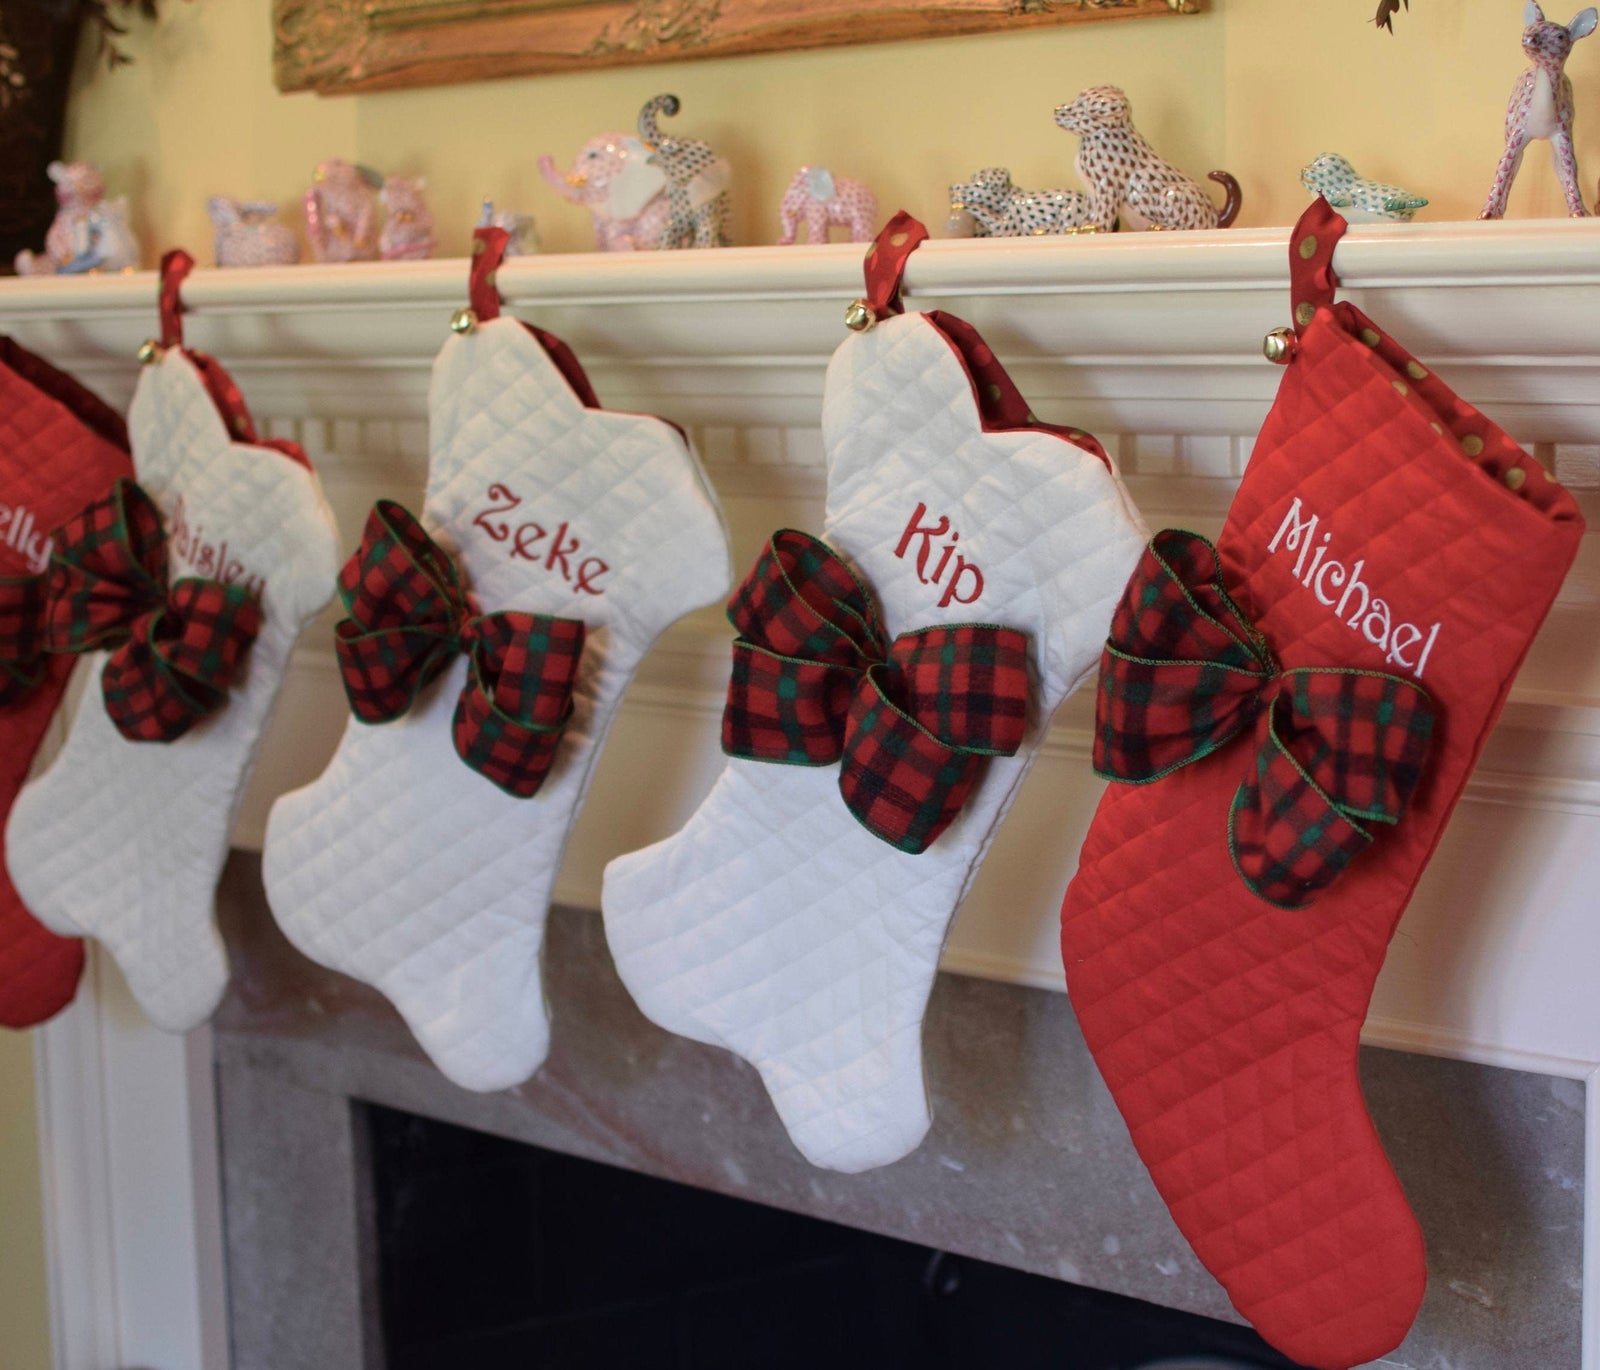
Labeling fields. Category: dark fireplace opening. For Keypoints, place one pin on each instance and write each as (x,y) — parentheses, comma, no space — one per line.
(494,1255)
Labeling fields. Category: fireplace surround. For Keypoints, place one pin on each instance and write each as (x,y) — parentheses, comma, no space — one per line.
(205,1196)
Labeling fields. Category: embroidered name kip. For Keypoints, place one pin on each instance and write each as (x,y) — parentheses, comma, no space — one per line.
(1350,597)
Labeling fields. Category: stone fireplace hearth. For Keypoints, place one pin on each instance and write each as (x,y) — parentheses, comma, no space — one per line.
(1028,1165)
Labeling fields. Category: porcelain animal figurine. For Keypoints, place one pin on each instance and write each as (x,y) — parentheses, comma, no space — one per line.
(247,234)
(1541,107)
(342,212)
(819,199)
(697,182)
(89,232)
(408,224)
(1359,200)
(613,179)
(1000,209)
(1128,178)
(522,234)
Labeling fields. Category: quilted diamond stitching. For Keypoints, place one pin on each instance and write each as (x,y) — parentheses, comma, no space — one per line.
(401,867)
(1227,1029)
(124,841)
(51,464)
(773,924)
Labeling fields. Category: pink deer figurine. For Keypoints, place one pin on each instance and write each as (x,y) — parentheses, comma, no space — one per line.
(1541,107)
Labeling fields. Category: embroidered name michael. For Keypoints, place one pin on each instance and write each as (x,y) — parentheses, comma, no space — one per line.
(1342,589)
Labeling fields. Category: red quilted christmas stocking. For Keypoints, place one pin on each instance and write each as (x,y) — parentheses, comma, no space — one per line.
(1292,719)
(60,448)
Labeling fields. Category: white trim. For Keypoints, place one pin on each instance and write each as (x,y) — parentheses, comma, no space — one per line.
(74,1154)
(1591,1223)
(132,1199)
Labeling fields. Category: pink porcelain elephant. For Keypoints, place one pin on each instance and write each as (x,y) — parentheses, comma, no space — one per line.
(819,199)
(612,178)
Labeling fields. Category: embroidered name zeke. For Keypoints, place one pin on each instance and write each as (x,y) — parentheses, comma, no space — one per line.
(559,554)
(1335,584)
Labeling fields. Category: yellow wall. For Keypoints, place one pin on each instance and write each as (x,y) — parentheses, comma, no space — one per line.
(1257,86)
(24,1312)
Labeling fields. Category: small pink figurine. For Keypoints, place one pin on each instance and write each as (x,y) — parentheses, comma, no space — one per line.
(247,235)
(408,231)
(342,212)
(819,199)
(612,178)
(89,232)
(1541,107)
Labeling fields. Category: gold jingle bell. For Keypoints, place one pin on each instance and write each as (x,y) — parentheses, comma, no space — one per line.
(150,352)
(463,321)
(1278,346)
(858,316)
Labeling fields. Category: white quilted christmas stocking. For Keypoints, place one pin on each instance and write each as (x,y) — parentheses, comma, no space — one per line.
(197,580)
(422,860)
(779,923)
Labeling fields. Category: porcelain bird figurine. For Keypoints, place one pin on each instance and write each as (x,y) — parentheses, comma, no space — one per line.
(1359,200)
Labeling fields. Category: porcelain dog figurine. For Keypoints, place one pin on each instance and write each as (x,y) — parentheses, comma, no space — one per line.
(1127,177)
(1003,210)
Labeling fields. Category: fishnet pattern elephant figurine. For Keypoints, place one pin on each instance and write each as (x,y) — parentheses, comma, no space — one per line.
(697,182)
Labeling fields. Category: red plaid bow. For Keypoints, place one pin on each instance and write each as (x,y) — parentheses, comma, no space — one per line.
(409,617)
(177,648)
(22,613)
(815,681)
(1184,671)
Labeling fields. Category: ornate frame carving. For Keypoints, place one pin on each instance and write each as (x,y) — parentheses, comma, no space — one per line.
(334,46)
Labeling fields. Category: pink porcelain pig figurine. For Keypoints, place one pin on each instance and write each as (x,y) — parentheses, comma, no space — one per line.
(408,230)
(612,179)
(342,212)
(247,234)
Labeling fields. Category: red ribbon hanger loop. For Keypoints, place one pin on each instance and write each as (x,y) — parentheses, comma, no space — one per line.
(886,263)
(488,251)
(175,268)
(1312,280)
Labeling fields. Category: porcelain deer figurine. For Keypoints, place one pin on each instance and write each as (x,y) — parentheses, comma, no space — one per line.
(1541,107)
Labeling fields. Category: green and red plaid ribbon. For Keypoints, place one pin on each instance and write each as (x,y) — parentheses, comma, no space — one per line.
(23,600)
(1184,671)
(912,721)
(410,616)
(176,648)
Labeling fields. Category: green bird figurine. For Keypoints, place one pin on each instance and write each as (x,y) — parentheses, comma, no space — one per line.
(1360,201)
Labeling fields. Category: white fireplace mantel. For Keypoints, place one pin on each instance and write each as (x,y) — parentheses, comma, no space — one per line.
(1151,341)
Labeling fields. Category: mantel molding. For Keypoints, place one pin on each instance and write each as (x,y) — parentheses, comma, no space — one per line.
(1215,289)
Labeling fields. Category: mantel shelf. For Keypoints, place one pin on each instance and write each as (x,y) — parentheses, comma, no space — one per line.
(1121,295)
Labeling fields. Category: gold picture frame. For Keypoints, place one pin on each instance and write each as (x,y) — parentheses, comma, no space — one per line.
(338,46)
